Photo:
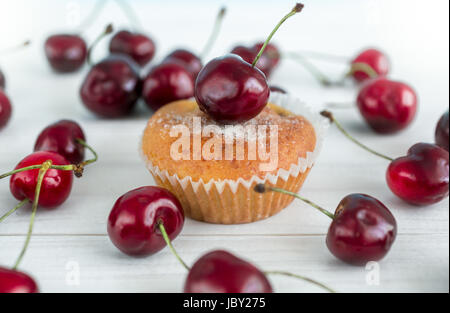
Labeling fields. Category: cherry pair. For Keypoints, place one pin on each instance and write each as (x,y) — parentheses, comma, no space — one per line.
(174,78)
(145,220)
(420,178)
(45,178)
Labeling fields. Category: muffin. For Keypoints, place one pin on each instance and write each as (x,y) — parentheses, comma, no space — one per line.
(213,168)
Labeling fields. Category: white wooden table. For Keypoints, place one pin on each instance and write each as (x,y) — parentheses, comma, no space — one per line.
(70,251)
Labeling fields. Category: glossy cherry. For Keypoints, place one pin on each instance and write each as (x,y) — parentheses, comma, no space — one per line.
(165,83)
(222,272)
(56,186)
(5,109)
(387,106)
(65,53)
(139,47)
(111,88)
(441,133)
(12,281)
(231,90)
(187,59)
(362,230)
(374,58)
(133,224)
(422,176)
(61,137)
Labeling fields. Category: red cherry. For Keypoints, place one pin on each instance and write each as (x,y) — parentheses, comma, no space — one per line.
(363,230)
(2,80)
(137,46)
(231,90)
(271,52)
(249,54)
(387,106)
(187,59)
(441,133)
(221,272)
(377,60)
(165,83)
(111,88)
(5,109)
(12,281)
(133,224)
(277,89)
(61,137)
(56,185)
(422,176)
(65,53)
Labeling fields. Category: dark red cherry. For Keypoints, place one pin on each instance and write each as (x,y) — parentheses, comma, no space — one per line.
(362,230)
(441,133)
(133,224)
(221,272)
(376,59)
(249,54)
(137,46)
(166,83)
(61,137)
(65,53)
(111,88)
(12,281)
(231,90)
(187,59)
(271,52)
(387,106)
(5,109)
(422,176)
(56,185)
(2,80)
(277,89)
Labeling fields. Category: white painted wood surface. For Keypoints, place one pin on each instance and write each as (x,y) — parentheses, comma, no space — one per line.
(73,236)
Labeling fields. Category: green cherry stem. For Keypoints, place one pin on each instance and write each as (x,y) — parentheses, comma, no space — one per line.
(298,8)
(130,13)
(45,167)
(108,30)
(362,67)
(331,117)
(99,5)
(310,67)
(214,34)
(261,188)
(324,56)
(307,279)
(162,229)
(18,206)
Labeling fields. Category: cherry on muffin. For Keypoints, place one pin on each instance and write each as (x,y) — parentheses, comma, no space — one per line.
(441,133)
(419,178)
(229,89)
(362,228)
(112,86)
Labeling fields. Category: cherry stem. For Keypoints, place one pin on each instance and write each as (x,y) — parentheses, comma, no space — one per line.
(340,105)
(261,188)
(45,167)
(93,14)
(362,67)
(78,169)
(298,8)
(312,281)
(169,243)
(14,48)
(130,13)
(108,30)
(214,34)
(311,68)
(324,56)
(18,206)
(331,117)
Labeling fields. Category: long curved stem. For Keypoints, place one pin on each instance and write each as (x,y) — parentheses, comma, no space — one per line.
(169,244)
(108,30)
(45,167)
(298,8)
(130,13)
(312,281)
(311,68)
(324,56)
(214,34)
(331,117)
(362,67)
(92,15)
(18,206)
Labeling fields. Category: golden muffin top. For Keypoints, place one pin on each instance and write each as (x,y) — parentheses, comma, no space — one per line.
(182,140)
